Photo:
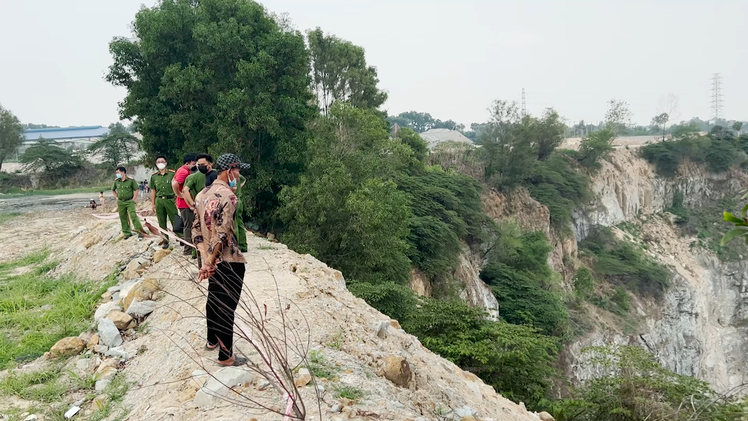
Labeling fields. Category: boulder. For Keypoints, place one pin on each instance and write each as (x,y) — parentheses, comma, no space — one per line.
(465,411)
(123,321)
(141,291)
(108,333)
(93,342)
(382,330)
(101,385)
(104,310)
(107,369)
(100,349)
(90,240)
(160,254)
(397,370)
(220,383)
(68,346)
(140,309)
(544,416)
(303,377)
(126,287)
(135,268)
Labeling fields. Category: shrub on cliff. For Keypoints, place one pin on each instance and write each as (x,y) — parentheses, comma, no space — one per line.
(635,387)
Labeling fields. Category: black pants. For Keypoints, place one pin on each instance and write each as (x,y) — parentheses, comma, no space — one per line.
(188,216)
(224,291)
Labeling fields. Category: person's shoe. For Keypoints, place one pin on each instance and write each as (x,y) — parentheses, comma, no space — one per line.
(234,361)
(125,236)
(210,347)
(164,244)
(140,236)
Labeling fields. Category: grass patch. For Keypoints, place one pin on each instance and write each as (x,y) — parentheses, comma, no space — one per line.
(349,392)
(619,263)
(319,366)
(42,386)
(54,192)
(5,217)
(37,310)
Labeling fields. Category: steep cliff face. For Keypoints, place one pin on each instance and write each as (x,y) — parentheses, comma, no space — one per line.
(700,326)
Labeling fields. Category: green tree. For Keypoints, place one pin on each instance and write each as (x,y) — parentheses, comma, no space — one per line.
(11,134)
(661,121)
(117,147)
(51,159)
(340,73)
(618,117)
(219,76)
(346,209)
(595,147)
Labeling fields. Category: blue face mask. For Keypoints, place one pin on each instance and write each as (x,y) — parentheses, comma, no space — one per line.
(119,176)
(232,183)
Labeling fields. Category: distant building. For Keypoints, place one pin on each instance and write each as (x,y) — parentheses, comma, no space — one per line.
(75,138)
(434,137)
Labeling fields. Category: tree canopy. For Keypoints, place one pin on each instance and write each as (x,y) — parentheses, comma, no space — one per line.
(11,134)
(340,73)
(48,157)
(421,122)
(218,76)
(117,147)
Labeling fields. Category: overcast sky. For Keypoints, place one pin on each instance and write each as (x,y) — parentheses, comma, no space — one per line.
(448,58)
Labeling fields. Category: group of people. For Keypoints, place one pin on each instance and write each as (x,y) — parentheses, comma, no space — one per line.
(143,187)
(206,199)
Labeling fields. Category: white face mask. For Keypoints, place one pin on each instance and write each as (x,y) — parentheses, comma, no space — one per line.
(161,166)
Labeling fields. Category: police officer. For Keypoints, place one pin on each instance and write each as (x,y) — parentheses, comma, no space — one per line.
(162,196)
(125,189)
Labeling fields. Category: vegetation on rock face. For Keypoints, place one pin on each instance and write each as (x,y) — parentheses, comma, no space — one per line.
(721,149)
(741,224)
(634,387)
(620,263)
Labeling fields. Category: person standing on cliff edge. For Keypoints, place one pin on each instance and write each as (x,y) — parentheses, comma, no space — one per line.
(223,264)
(125,190)
(177,184)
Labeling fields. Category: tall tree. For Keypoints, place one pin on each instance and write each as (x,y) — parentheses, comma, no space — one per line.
(618,116)
(11,134)
(117,147)
(340,73)
(46,156)
(219,76)
(661,121)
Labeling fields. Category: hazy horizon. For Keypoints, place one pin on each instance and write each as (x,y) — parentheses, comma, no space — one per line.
(448,60)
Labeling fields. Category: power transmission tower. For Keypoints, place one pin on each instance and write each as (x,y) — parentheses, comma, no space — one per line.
(524,105)
(716,96)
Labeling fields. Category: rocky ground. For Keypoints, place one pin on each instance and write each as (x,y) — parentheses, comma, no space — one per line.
(150,328)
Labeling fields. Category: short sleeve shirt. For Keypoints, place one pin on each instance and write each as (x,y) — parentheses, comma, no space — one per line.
(161,183)
(125,188)
(195,182)
(214,221)
(181,176)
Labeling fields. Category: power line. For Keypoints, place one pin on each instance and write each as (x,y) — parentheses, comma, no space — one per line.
(524,105)
(716,96)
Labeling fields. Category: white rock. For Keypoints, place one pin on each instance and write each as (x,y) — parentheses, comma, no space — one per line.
(101,349)
(219,384)
(105,309)
(32,417)
(117,352)
(140,309)
(101,385)
(72,411)
(335,408)
(108,333)
(199,373)
(127,286)
(465,411)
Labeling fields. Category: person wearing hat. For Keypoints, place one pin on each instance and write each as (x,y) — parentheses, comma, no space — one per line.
(223,264)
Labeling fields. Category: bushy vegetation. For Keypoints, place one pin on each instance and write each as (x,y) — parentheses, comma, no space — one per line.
(620,263)
(520,278)
(634,387)
(720,150)
(522,152)
(700,223)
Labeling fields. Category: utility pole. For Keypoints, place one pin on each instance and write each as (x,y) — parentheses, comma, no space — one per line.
(524,105)
(716,96)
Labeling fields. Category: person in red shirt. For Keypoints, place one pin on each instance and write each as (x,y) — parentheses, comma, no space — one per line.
(185,212)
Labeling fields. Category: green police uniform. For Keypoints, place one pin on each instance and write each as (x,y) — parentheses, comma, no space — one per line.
(165,205)
(196,183)
(125,189)
(239,229)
